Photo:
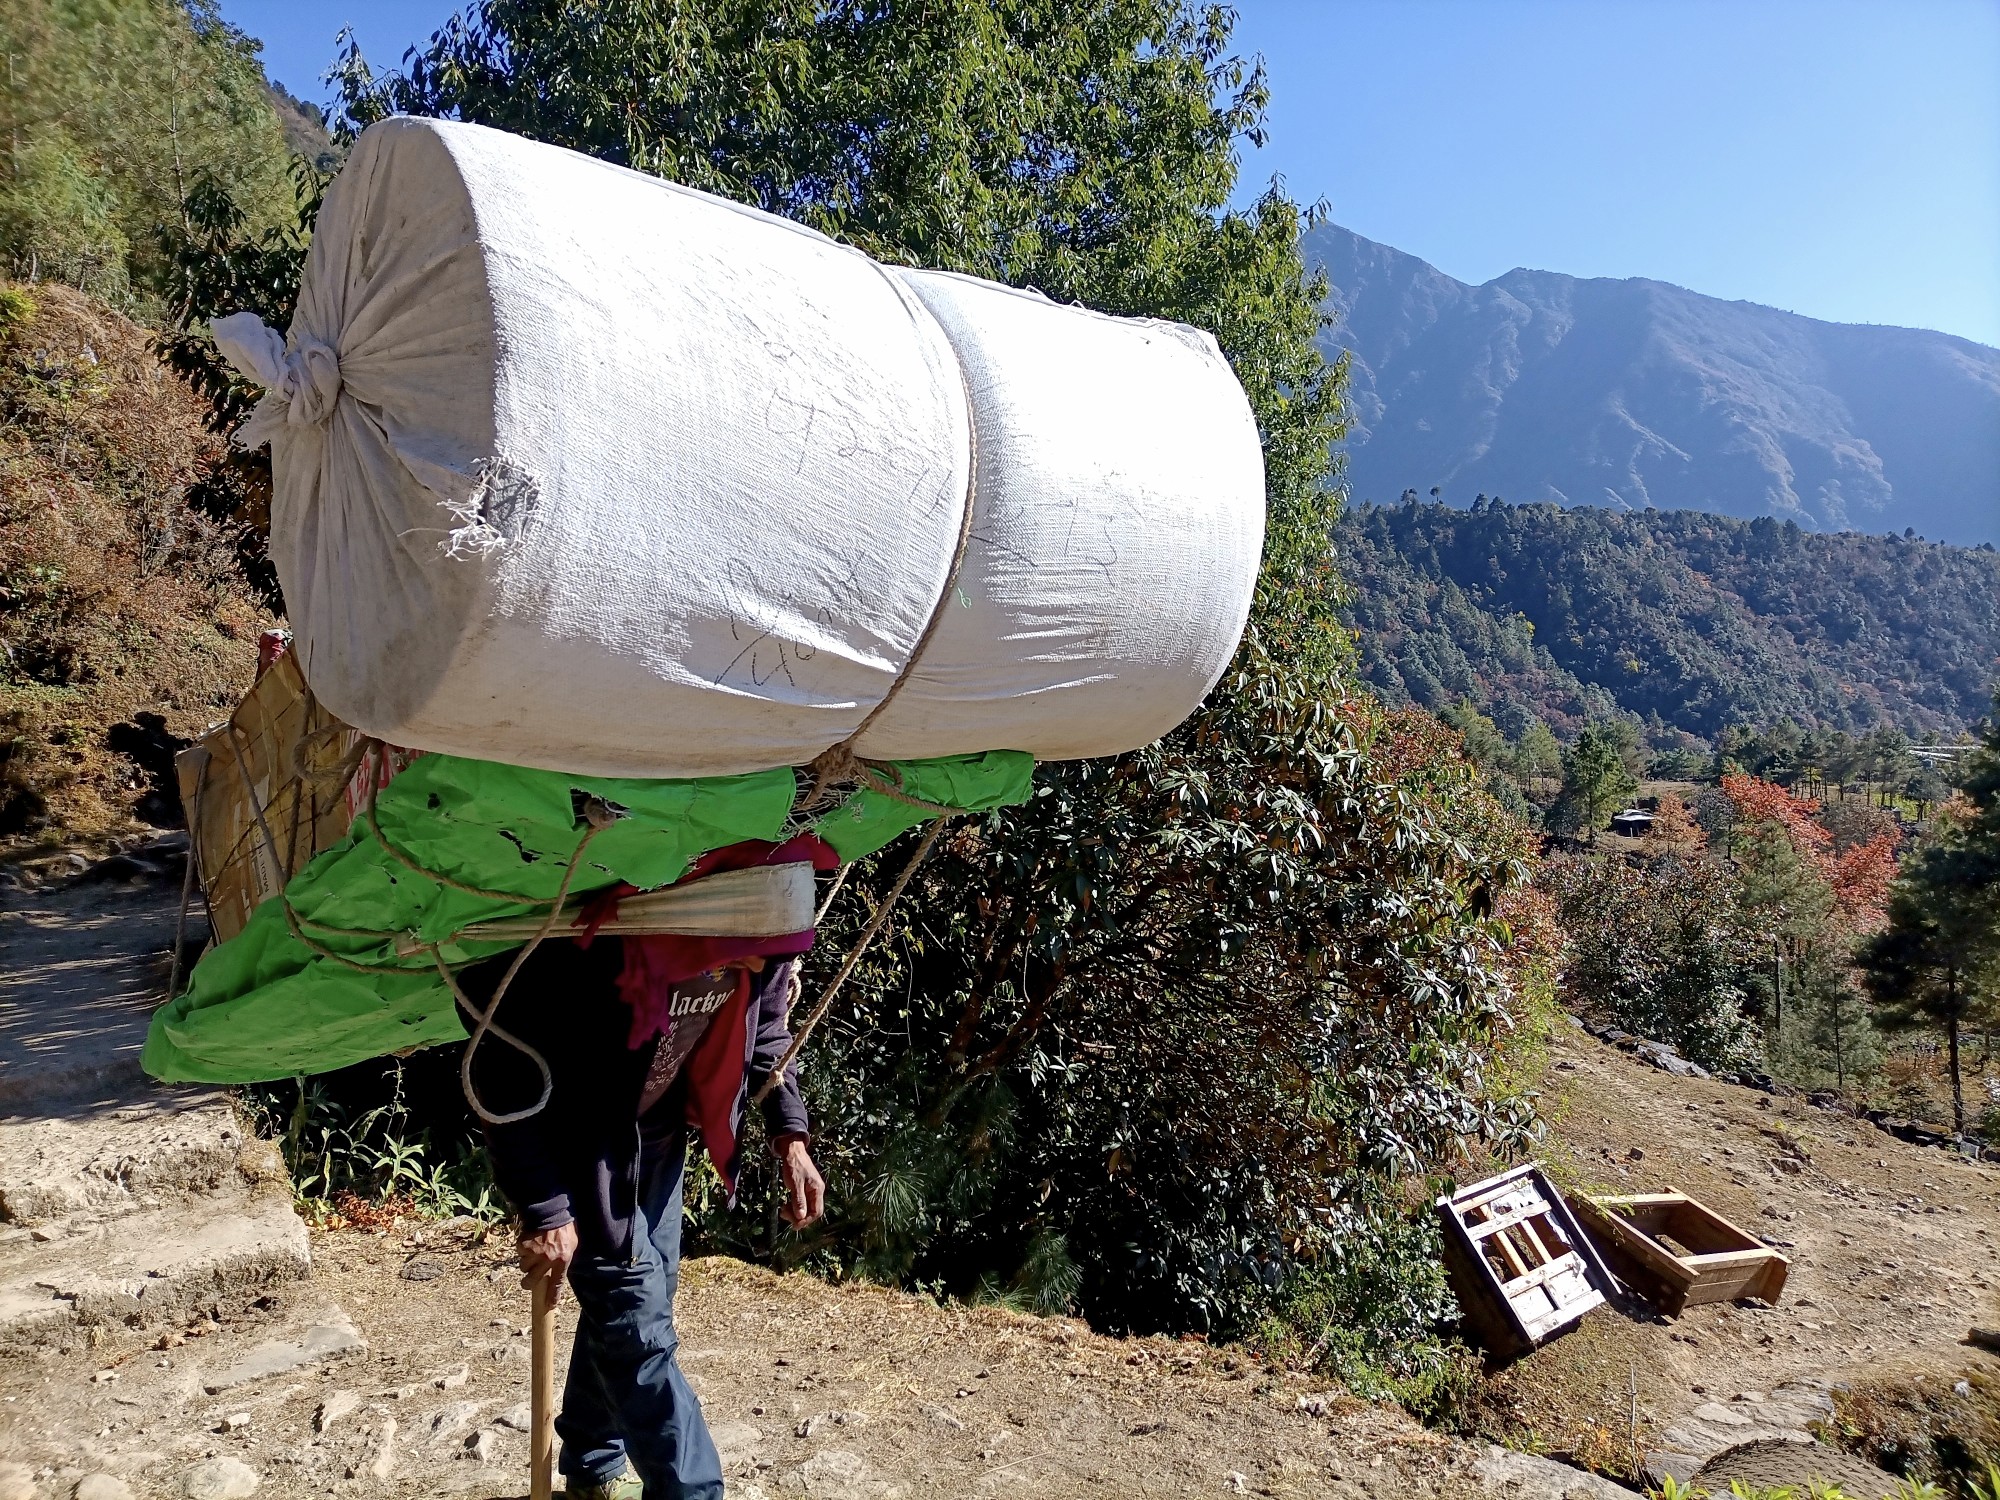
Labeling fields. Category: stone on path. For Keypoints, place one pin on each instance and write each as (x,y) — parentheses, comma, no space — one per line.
(125,1203)
(336,1405)
(329,1340)
(384,1462)
(736,1443)
(519,1418)
(1522,1476)
(837,1474)
(103,1487)
(450,1420)
(220,1479)
(1750,1419)
(482,1445)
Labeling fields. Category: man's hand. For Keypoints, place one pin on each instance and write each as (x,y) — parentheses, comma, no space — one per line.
(548,1254)
(805,1189)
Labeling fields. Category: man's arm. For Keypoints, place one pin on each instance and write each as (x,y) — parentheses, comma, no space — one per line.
(525,1169)
(785,1120)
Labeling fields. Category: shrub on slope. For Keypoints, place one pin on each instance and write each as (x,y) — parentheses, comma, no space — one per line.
(116,601)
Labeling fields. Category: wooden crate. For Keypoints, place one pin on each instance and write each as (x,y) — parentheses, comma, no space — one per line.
(1521,1267)
(1678,1253)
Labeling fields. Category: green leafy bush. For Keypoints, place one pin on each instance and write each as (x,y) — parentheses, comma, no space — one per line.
(1658,948)
(379,1133)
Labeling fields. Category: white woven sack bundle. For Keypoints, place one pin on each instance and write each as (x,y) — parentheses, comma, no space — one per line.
(579,469)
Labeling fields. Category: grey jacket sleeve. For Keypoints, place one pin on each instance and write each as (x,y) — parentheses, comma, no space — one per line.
(771,1036)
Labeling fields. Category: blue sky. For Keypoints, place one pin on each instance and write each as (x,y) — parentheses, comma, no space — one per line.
(1839,158)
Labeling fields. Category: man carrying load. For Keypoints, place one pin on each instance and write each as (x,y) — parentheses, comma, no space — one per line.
(646,1039)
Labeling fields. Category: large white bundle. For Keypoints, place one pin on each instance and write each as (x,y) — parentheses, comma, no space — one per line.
(579,469)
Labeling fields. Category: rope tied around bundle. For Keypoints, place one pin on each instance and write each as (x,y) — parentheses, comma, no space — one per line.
(853,960)
(841,764)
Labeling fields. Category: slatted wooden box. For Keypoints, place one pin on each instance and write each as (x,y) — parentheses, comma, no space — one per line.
(1521,1267)
(1678,1253)
(252,763)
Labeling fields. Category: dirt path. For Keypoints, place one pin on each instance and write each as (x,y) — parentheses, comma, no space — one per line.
(1895,1252)
(394,1364)
(849,1391)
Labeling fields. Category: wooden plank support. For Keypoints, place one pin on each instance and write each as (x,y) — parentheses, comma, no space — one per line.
(1522,1269)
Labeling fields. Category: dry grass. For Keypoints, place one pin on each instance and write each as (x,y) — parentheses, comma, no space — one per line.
(115,599)
(1942,1427)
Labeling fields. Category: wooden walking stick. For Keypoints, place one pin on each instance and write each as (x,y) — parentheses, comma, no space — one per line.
(542,1341)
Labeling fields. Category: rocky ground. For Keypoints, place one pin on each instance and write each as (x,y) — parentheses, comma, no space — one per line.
(401,1368)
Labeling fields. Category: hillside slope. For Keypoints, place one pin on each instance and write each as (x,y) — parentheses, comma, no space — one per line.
(1699,620)
(1544,387)
(122,618)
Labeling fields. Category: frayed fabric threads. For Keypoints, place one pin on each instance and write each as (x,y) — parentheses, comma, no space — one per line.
(494,512)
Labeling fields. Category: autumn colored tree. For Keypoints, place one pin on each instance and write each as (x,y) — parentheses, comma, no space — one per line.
(1674,829)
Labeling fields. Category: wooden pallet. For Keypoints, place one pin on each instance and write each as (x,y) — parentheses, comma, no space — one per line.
(1521,1267)
(1677,1252)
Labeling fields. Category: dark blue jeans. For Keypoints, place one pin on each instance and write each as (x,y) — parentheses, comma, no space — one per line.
(626,1396)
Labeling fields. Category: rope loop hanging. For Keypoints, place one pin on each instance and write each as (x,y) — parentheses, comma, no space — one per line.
(483,1022)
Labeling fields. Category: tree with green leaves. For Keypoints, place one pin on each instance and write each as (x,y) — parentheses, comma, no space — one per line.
(1831,1032)
(1658,946)
(1537,753)
(1786,900)
(110,110)
(1596,782)
(1937,963)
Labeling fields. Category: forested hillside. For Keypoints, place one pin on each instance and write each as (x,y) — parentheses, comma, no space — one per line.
(114,110)
(1686,621)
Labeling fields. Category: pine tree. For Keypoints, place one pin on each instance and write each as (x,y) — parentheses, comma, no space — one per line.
(1833,1033)
(1937,963)
(1596,781)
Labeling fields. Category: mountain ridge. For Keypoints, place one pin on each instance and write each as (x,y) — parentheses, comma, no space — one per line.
(1541,386)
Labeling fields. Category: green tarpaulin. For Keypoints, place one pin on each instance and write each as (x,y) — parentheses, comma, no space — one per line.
(265,1005)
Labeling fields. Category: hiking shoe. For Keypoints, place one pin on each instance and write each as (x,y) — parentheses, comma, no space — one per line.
(626,1486)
